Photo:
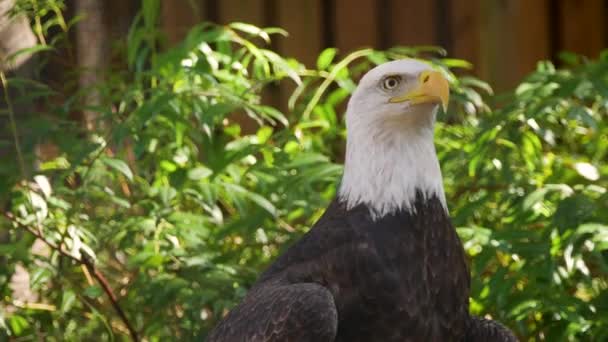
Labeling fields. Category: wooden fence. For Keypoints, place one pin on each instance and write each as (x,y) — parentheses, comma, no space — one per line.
(503,38)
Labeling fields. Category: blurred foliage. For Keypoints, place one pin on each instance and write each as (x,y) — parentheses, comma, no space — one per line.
(190,184)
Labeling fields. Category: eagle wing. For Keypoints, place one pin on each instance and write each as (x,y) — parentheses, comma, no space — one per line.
(281,312)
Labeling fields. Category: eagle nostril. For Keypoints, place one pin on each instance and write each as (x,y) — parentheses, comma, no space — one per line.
(425,78)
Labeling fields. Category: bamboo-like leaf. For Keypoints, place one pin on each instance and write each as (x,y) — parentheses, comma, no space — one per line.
(326,58)
(119,166)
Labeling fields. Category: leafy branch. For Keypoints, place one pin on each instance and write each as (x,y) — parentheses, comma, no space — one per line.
(86,261)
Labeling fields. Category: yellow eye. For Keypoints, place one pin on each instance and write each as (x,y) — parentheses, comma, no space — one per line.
(391,82)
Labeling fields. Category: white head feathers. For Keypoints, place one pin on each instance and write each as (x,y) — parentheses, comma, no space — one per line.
(390,154)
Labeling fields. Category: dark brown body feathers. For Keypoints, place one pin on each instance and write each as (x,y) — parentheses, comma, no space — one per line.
(402,277)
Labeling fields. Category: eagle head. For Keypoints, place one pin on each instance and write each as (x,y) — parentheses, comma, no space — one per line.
(390,154)
(402,91)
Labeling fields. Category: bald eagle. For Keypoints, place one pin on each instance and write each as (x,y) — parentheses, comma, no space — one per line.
(384,262)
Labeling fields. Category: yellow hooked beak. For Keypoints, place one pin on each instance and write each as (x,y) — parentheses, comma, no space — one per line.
(432,88)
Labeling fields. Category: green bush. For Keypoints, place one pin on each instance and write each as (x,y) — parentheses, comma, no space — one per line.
(178,203)
(527,185)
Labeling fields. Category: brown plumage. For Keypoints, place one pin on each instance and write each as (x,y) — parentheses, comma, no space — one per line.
(402,277)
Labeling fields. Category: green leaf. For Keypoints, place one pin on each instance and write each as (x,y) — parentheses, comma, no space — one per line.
(276,30)
(119,166)
(256,198)
(456,63)
(68,299)
(18,324)
(44,185)
(93,291)
(587,170)
(27,51)
(39,276)
(538,195)
(471,81)
(263,134)
(574,211)
(325,58)
(598,235)
(150,10)
(199,173)
(272,113)
(251,29)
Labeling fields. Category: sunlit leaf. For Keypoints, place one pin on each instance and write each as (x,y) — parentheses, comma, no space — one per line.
(326,58)
(199,173)
(587,170)
(119,166)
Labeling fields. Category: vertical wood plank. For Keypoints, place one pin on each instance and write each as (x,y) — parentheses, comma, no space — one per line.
(412,22)
(465,31)
(92,48)
(582,24)
(118,17)
(179,16)
(356,24)
(302,19)
(247,11)
(514,36)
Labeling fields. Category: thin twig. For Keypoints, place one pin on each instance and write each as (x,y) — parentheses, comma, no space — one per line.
(86,261)
(37,234)
(283,224)
(11,115)
(108,290)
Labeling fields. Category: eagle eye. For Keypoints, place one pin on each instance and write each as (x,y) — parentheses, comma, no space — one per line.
(391,82)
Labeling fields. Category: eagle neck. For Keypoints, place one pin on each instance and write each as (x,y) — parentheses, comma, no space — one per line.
(386,168)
